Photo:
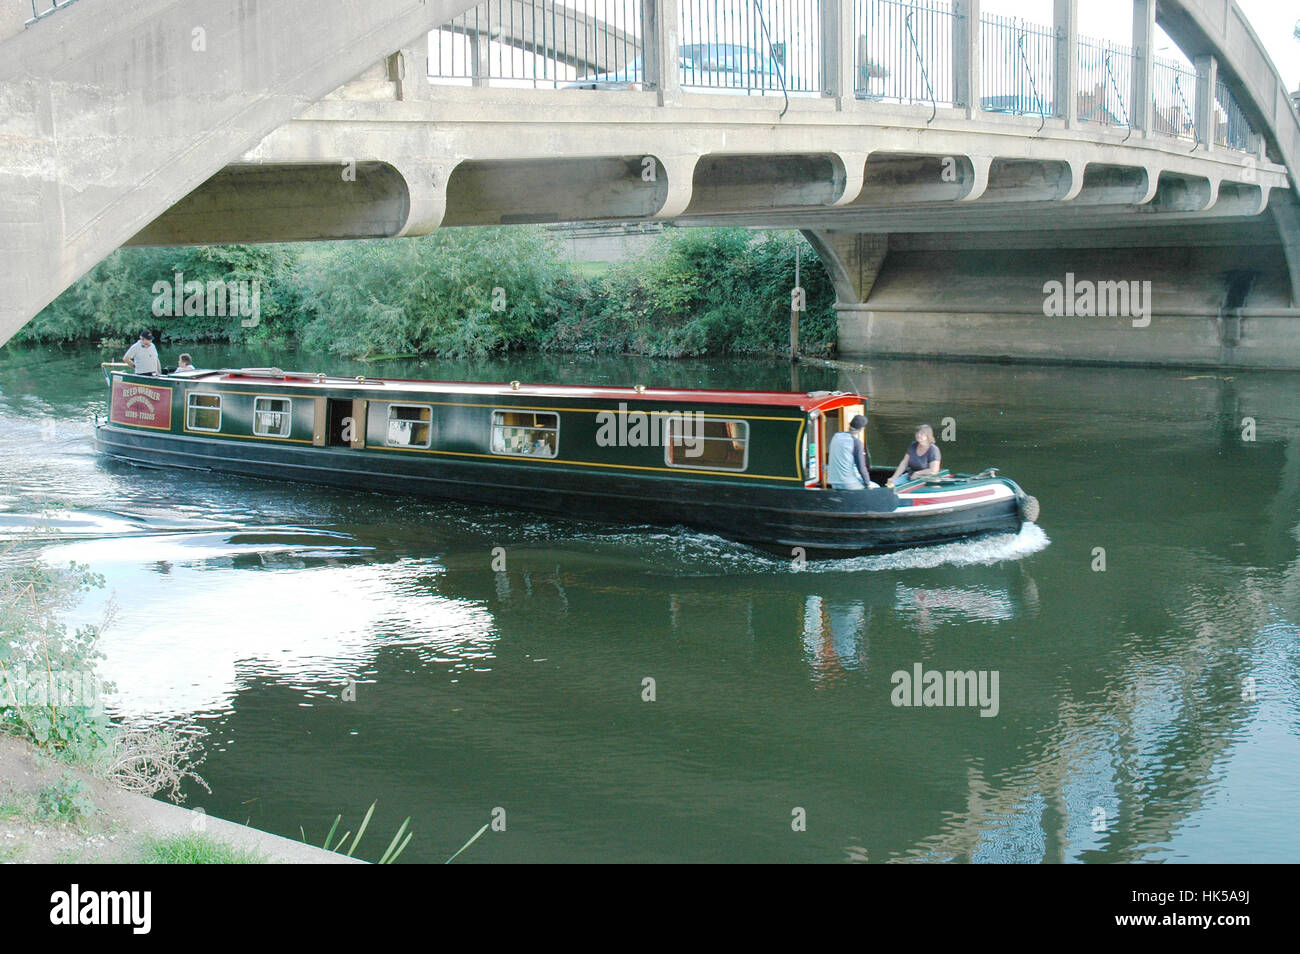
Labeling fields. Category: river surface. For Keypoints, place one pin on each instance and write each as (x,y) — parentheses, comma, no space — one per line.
(1144,637)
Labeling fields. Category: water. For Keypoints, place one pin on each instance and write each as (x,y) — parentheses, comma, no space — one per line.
(1145,712)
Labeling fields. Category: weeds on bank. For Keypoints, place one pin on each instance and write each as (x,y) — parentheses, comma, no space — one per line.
(41,657)
(391,853)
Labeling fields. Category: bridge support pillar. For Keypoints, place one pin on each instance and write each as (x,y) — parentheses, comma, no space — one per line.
(853,260)
(1286,212)
(966,55)
(1142,112)
(1067,61)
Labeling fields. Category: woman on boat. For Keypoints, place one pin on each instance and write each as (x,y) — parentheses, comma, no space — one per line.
(923,458)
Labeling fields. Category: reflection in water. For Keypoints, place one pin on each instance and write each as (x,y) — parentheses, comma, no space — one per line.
(313,621)
(1148,711)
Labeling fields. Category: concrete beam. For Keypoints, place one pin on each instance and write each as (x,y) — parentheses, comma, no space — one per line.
(286,203)
(723,182)
(519,191)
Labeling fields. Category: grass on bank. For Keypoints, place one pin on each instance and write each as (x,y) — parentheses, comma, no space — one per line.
(197,850)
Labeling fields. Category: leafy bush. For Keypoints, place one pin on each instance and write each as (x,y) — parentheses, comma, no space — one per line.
(470,293)
(115,299)
(704,291)
(66,800)
(458,293)
(36,649)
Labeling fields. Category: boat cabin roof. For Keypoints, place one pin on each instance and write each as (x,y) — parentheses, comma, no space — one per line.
(274,377)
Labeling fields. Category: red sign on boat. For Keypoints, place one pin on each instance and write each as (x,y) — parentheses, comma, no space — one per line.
(141,405)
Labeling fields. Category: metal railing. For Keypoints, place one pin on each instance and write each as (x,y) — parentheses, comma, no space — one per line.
(751,46)
(43,8)
(1105,82)
(1173,93)
(540,43)
(1018,67)
(1231,127)
(903,51)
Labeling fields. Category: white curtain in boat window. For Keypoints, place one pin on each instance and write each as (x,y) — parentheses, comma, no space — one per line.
(272,417)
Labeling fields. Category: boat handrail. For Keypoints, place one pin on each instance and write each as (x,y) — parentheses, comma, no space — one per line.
(257,372)
(113,364)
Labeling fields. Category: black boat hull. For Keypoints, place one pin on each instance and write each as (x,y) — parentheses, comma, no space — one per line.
(820,523)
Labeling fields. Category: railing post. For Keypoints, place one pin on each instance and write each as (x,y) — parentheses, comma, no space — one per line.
(1142,113)
(1067,61)
(480,61)
(661,48)
(838,69)
(1207,86)
(966,55)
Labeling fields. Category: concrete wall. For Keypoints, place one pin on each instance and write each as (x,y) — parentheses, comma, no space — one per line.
(976,298)
(112,112)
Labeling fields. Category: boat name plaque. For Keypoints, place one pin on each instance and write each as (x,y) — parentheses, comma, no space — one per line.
(141,405)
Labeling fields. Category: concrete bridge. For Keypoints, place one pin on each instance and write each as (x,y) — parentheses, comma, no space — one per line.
(947,164)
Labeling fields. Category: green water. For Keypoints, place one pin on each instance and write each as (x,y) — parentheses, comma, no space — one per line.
(1147,711)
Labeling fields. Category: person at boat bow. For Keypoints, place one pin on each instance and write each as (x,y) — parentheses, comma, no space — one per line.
(143,356)
(848,467)
(922,459)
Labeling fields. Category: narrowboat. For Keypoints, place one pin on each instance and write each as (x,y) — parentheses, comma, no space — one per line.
(749,466)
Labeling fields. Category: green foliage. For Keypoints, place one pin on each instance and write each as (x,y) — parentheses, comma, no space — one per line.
(434,295)
(696,292)
(395,847)
(197,850)
(36,646)
(704,291)
(116,299)
(65,800)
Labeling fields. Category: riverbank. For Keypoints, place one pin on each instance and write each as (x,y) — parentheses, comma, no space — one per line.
(459,293)
(51,813)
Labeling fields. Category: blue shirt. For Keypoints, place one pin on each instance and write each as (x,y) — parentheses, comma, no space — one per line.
(917,462)
(847,467)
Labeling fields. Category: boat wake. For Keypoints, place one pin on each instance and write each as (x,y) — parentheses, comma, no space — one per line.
(689,553)
(985,551)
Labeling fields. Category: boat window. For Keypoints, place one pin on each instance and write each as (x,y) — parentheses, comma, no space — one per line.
(527,433)
(203,411)
(410,425)
(271,417)
(707,444)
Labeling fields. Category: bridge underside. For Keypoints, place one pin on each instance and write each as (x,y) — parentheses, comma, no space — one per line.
(940,238)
